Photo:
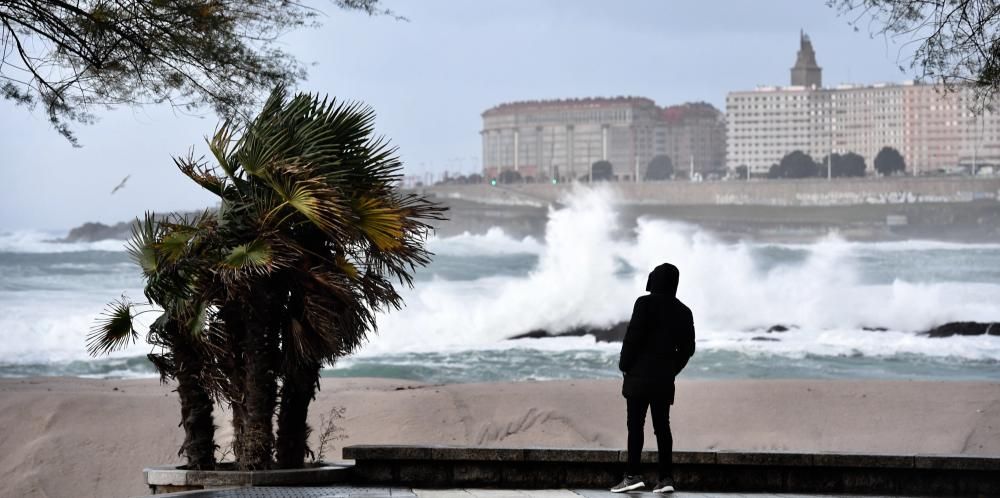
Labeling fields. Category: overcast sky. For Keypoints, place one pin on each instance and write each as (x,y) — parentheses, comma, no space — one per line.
(430,78)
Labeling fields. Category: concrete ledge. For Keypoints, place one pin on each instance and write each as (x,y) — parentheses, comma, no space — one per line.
(734,471)
(169,478)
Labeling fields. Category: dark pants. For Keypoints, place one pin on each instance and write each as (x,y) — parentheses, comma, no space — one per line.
(661,426)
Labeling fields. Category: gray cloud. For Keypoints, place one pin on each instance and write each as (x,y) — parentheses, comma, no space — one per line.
(430,78)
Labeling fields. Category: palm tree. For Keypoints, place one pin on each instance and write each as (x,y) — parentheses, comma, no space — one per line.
(169,254)
(289,273)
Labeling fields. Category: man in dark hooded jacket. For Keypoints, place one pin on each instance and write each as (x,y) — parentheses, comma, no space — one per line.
(657,346)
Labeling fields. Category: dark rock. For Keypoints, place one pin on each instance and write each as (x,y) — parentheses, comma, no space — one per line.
(767,339)
(777,328)
(534,334)
(874,329)
(964,328)
(90,232)
(615,333)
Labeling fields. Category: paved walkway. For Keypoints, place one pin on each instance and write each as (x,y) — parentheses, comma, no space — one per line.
(388,492)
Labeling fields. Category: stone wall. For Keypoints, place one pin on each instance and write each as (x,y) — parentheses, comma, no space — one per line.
(810,192)
(731,471)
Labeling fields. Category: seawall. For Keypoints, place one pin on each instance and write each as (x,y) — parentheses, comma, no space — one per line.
(806,192)
(961,209)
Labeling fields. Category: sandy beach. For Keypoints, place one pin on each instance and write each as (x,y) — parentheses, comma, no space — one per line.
(78,437)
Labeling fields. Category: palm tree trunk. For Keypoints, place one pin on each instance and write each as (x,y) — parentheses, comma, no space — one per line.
(259,346)
(298,389)
(232,365)
(186,367)
(196,408)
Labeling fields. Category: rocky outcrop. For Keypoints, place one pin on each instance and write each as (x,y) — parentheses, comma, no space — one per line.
(964,328)
(90,232)
(615,333)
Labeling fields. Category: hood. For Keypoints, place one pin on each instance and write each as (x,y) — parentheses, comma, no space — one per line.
(663,280)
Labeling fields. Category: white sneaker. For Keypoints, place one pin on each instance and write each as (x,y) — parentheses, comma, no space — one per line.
(665,485)
(628,484)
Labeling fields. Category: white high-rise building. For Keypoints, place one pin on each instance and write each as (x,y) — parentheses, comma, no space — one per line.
(931,127)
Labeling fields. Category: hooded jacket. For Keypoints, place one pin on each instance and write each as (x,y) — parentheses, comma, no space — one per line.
(659,340)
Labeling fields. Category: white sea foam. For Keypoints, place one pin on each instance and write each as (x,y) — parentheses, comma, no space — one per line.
(32,241)
(582,277)
(578,281)
(493,242)
(52,326)
(896,245)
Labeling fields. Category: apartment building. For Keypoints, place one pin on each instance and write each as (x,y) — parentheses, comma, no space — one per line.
(560,139)
(931,127)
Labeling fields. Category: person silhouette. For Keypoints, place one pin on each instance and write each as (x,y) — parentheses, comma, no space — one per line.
(657,346)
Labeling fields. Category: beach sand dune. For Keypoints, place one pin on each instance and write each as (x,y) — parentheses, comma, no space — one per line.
(78,437)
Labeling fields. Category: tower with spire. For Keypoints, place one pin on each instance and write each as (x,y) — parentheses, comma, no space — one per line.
(805,72)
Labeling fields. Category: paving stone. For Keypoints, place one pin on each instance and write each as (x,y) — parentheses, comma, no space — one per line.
(441,493)
(297,492)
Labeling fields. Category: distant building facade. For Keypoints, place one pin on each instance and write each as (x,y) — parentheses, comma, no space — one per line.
(693,136)
(560,139)
(930,127)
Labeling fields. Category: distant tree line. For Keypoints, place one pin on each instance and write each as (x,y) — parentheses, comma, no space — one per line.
(795,164)
(798,164)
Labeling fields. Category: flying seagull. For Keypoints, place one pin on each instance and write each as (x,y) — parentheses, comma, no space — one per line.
(120,185)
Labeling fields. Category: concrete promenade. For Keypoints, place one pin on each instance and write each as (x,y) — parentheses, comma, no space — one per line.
(396,492)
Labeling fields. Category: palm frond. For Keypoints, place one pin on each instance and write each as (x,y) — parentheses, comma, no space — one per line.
(219,145)
(114,328)
(174,244)
(198,323)
(313,200)
(381,223)
(201,173)
(255,256)
(349,269)
(141,246)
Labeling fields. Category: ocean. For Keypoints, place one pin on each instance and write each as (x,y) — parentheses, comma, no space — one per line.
(852,309)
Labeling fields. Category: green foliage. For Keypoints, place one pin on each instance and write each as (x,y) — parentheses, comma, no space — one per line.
(955,41)
(660,168)
(255,256)
(846,165)
(509,176)
(740,172)
(74,57)
(602,171)
(889,161)
(795,164)
(289,272)
(114,330)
